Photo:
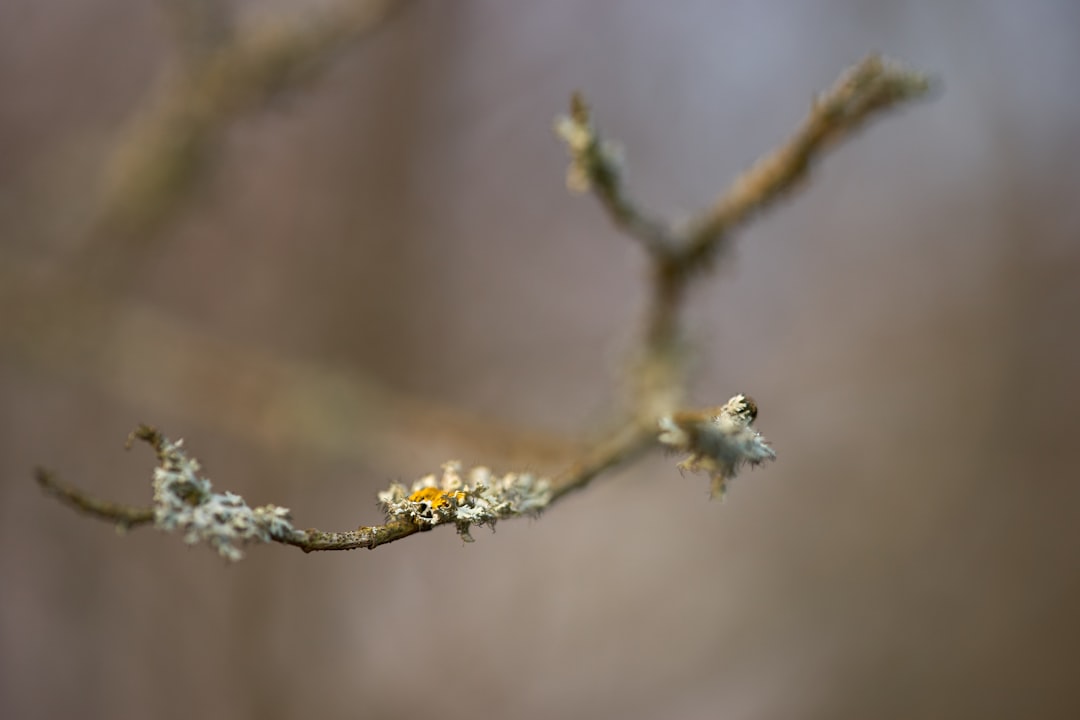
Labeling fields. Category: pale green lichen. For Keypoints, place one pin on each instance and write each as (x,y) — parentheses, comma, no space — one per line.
(185,502)
(478,497)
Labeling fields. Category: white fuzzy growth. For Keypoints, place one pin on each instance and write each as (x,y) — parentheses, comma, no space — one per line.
(672,435)
(477,498)
(730,441)
(184,501)
(718,444)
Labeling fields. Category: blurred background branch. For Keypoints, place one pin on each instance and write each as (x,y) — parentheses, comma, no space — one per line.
(223,74)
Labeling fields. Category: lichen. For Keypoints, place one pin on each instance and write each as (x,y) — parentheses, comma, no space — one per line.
(184,501)
(719,440)
(478,497)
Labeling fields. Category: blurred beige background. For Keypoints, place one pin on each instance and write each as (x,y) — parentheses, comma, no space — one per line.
(908,326)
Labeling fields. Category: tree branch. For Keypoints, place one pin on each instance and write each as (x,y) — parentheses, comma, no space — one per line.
(597,167)
(865,91)
(717,440)
(123,516)
(184,501)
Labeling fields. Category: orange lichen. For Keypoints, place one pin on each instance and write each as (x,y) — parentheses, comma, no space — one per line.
(437,499)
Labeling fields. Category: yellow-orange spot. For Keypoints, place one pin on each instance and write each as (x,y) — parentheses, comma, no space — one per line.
(436,497)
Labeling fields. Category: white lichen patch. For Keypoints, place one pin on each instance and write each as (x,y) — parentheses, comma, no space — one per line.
(478,497)
(719,440)
(184,501)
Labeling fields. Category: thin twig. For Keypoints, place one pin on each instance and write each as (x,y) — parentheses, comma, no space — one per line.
(862,93)
(123,516)
(365,537)
(597,167)
(619,448)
